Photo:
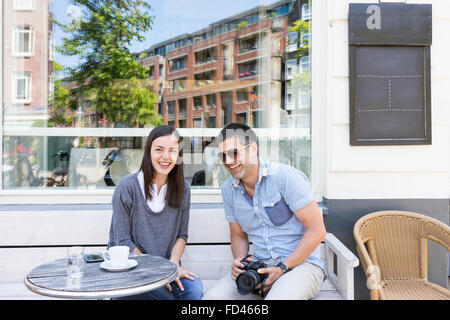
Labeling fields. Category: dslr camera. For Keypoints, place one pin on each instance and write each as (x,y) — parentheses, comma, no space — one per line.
(248,280)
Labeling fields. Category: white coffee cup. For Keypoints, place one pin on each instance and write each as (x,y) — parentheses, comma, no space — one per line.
(117,256)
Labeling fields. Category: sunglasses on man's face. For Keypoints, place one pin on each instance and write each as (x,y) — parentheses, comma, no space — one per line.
(232,153)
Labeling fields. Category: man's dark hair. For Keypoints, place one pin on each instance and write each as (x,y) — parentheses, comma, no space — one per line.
(245,134)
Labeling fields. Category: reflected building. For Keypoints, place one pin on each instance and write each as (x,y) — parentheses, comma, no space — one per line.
(26,62)
(239,69)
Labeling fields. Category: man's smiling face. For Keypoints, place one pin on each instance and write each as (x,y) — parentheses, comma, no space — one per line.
(236,157)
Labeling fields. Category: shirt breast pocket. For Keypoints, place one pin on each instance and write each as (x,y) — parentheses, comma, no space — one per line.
(278,211)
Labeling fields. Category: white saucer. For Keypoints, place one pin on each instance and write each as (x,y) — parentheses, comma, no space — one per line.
(107,266)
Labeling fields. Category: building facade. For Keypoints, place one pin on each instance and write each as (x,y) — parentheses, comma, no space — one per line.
(232,71)
(27,67)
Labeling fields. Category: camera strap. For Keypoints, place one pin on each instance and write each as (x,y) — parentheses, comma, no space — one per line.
(262,288)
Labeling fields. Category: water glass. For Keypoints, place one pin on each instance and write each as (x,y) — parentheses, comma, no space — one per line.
(75,261)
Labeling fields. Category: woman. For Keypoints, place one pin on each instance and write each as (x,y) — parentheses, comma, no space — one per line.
(151,212)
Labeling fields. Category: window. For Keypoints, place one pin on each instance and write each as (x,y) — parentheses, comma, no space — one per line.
(21,84)
(248,44)
(306,11)
(211,122)
(204,79)
(305,39)
(198,102)
(178,64)
(24,5)
(171,107)
(206,56)
(23,38)
(198,123)
(179,85)
(182,109)
(151,71)
(292,41)
(161,110)
(211,100)
(281,10)
(304,64)
(205,73)
(242,95)
(247,69)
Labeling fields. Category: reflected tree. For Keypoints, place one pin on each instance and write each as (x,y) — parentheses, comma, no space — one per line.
(107,72)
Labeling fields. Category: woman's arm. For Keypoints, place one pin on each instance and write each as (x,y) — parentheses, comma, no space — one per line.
(180,244)
(120,231)
(177,251)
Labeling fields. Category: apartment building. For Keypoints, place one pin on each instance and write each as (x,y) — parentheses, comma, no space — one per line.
(234,70)
(26,61)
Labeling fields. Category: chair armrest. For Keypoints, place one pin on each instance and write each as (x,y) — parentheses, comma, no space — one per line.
(343,279)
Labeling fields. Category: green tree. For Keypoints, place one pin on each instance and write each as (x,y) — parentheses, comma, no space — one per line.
(127,103)
(59,102)
(107,72)
(301,27)
(241,25)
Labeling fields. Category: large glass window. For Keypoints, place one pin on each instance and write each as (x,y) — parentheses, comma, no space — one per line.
(83,89)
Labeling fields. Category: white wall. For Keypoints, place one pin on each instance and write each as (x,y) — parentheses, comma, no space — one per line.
(341,171)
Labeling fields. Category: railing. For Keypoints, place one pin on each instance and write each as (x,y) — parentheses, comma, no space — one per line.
(247,74)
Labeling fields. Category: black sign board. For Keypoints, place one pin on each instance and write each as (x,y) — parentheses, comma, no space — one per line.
(389,53)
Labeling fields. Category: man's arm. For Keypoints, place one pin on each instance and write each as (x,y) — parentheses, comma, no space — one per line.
(239,248)
(311,218)
(239,241)
(315,233)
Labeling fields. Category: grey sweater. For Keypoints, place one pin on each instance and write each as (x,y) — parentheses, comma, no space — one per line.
(134,224)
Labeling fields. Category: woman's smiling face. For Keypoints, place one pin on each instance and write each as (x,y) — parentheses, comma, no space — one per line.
(164,154)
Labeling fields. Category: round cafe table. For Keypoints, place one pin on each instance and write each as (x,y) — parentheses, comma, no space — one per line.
(51,279)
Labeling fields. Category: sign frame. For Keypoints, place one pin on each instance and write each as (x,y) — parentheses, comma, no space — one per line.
(384,36)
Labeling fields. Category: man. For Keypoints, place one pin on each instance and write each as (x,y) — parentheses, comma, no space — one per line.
(272,206)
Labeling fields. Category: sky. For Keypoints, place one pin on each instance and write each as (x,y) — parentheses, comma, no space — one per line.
(171,18)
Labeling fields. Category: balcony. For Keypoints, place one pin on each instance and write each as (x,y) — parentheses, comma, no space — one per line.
(178,64)
(203,83)
(248,69)
(204,79)
(206,56)
(248,44)
(247,74)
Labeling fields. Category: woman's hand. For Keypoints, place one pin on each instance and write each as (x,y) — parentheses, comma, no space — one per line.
(136,251)
(182,273)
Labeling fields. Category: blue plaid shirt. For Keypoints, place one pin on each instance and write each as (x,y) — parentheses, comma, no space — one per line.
(268,218)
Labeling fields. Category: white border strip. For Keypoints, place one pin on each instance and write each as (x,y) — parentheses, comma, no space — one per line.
(144,132)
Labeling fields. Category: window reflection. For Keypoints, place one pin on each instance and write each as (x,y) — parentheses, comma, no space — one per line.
(249,65)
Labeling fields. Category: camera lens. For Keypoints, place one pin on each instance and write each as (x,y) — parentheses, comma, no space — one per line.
(247,281)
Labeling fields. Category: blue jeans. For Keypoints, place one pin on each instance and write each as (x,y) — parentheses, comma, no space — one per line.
(192,291)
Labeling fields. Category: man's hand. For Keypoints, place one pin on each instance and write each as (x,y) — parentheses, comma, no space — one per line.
(273,275)
(235,267)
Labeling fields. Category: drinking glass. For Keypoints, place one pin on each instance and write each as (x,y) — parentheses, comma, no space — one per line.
(75,261)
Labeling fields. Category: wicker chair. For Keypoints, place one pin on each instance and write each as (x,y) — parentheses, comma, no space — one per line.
(392,247)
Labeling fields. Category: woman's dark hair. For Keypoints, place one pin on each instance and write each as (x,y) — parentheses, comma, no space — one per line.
(175,179)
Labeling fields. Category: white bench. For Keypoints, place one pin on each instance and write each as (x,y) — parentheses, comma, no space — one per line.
(30,238)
